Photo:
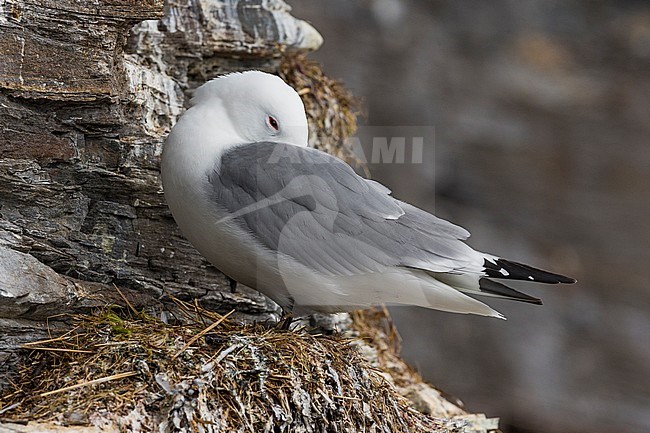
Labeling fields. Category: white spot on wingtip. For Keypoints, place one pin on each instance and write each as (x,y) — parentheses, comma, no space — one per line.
(504,272)
(531,278)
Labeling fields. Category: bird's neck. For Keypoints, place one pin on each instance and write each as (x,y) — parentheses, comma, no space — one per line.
(195,145)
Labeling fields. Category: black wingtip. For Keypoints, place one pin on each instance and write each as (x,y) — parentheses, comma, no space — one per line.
(507,269)
(493,288)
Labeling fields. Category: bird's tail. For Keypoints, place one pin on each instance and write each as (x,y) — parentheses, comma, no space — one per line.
(495,289)
(506,269)
(484,285)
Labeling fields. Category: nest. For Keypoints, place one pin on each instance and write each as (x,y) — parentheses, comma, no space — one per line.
(212,375)
(331,109)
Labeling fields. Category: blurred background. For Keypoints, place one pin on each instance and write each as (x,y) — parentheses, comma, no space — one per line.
(541,112)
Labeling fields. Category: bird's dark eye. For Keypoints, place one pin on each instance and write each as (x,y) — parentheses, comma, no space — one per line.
(273,123)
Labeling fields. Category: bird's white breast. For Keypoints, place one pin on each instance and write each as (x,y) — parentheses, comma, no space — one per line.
(190,155)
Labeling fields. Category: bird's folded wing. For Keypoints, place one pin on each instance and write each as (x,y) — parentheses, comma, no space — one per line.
(313,207)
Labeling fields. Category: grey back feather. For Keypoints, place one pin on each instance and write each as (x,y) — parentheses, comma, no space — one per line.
(314,208)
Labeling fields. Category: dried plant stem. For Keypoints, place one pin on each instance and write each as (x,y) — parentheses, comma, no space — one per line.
(90,382)
(201,334)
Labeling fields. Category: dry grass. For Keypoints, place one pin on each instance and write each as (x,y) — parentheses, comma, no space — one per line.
(332,109)
(211,374)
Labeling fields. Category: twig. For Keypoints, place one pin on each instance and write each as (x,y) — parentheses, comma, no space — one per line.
(10,407)
(49,340)
(92,382)
(343,397)
(127,301)
(116,343)
(202,333)
(57,349)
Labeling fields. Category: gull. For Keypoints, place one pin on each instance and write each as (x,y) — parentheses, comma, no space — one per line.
(301,226)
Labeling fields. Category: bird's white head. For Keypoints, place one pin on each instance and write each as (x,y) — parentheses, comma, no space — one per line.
(257,105)
(231,110)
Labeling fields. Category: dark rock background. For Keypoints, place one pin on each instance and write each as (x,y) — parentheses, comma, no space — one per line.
(542,124)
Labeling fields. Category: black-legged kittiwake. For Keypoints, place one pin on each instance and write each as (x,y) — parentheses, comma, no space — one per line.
(300,226)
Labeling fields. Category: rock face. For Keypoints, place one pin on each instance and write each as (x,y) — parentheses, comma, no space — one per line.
(88,91)
(86,100)
(541,151)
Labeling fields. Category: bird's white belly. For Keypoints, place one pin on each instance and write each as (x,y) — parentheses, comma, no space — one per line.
(282,278)
(237,254)
(223,243)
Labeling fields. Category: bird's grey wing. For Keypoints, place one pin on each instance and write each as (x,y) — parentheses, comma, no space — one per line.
(313,207)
